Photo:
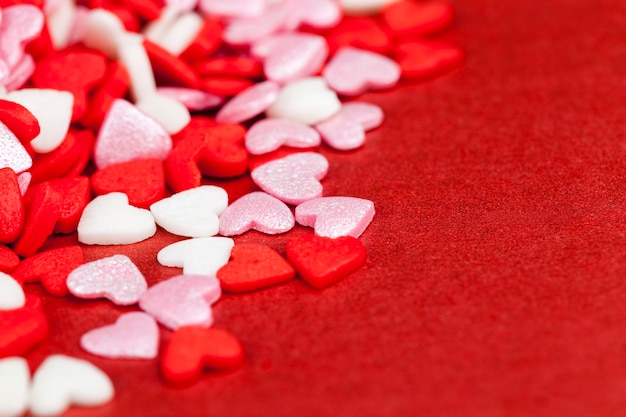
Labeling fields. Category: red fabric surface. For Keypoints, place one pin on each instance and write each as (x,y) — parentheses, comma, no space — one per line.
(496,277)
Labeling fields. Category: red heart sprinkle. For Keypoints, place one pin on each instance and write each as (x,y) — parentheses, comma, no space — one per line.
(422,59)
(235,66)
(223,153)
(11,206)
(114,86)
(21,122)
(142,180)
(75,195)
(56,163)
(323,261)
(192,348)
(253,266)
(207,41)
(169,68)
(360,32)
(22,328)
(226,86)
(8,259)
(147,10)
(408,17)
(51,268)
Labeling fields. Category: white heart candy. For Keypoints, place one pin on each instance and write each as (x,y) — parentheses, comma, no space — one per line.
(14,386)
(133,55)
(62,381)
(182,33)
(201,256)
(170,113)
(60,22)
(191,213)
(11,293)
(52,108)
(308,101)
(103,31)
(110,220)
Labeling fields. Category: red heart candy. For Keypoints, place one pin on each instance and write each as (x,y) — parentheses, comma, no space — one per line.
(181,169)
(142,180)
(85,141)
(8,259)
(169,68)
(207,41)
(51,268)
(323,261)
(192,348)
(408,17)
(11,206)
(75,195)
(114,86)
(58,162)
(226,86)
(22,328)
(147,10)
(422,59)
(360,32)
(231,65)
(21,122)
(253,266)
(223,153)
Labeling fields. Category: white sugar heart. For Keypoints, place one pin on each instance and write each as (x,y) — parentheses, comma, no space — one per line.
(134,335)
(200,256)
(133,55)
(353,71)
(267,135)
(62,381)
(308,101)
(293,179)
(249,103)
(156,29)
(182,300)
(336,216)
(103,31)
(290,56)
(59,22)
(110,220)
(127,134)
(11,293)
(53,110)
(191,213)
(14,386)
(12,153)
(170,113)
(258,211)
(115,278)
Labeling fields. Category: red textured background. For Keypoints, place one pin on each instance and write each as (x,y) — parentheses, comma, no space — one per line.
(496,279)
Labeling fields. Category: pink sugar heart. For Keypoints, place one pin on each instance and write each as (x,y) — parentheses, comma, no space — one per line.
(290,56)
(115,278)
(293,179)
(245,30)
(249,103)
(20,24)
(233,8)
(134,335)
(12,153)
(353,71)
(316,13)
(258,211)
(20,73)
(127,134)
(346,129)
(267,135)
(368,115)
(336,216)
(182,300)
(194,100)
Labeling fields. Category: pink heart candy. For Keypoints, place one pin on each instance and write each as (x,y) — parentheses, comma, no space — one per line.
(293,179)
(290,56)
(134,335)
(127,134)
(20,73)
(267,135)
(353,71)
(194,100)
(245,30)
(346,130)
(12,153)
(249,103)
(316,13)
(258,211)
(115,278)
(182,300)
(23,180)
(182,6)
(233,8)
(20,24)
(336,216)
(368,115)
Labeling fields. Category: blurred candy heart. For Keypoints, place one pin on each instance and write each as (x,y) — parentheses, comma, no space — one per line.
(258,211)
(336,216)
(200,256)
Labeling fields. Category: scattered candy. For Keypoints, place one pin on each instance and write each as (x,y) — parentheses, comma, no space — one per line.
(11,293)
(194,100)
(336,216)
(308,101)
(115,278)
(23,328)
(14,386)
(408,17)
(134,335)
(267,135)
(249,103)
(258,211)
(200,256)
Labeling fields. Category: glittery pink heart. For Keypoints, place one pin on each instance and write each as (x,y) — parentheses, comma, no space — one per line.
(346,130)
(353,71)
(290,56)
(258,211)
(194,100)
(127,134)
(267,135)
(182,300)
(116,278)
(20,73)
(249,103)
(316,13)
(336,216)
(12,153)
(233,8)
(20,24)
(293,179)
(134,335)
(245,30)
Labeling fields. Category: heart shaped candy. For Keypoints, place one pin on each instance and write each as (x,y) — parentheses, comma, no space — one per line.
(11,206)
(249,103)
(245,30)
(20,24)
(182,300)
(110,220)
(322,261)
(315,13)
(267,135)
(22,328)
(134,335)
(166,111)
(258,211)
(115,278)
(191,213)
(253,266)
(293,179)
(61,381)
(199,256)
(194,100)
(412,18)
(14,386)
(346,129)
(8,259)
(308,101)
(192,348)
(422,59)
(368,115)
(359,7)
(12,153)
(353,71)
(232,8)
(11,293)
(336,216)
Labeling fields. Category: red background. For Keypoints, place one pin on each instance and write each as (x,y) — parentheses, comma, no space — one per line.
(496,278)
